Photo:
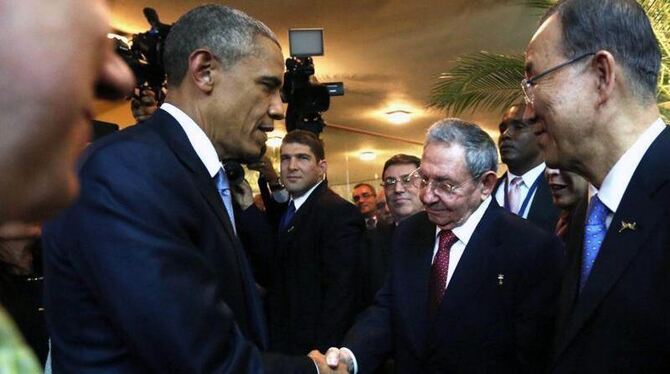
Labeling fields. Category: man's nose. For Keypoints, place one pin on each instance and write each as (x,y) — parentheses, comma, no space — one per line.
(276,109)
(114,80)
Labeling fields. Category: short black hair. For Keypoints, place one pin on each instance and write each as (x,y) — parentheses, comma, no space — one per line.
(228,33)
(306,138)
(401,159)
(620,27)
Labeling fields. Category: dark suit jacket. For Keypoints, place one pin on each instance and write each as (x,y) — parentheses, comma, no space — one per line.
(312,289)
(481,326)
(619,323)
(375,261)
(542,210)
(144,271)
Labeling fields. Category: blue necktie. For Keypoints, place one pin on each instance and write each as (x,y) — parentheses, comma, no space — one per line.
(223,187)
(594,234)
(287,218)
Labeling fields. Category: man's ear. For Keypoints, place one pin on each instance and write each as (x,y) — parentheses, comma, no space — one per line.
(488,181)
(201,63)
(605,68)
(323,166)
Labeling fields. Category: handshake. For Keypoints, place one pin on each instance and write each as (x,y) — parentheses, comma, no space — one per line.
(336,360)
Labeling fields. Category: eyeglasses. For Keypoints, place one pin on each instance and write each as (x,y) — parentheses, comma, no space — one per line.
(405,180)
(528,83)
(439,187)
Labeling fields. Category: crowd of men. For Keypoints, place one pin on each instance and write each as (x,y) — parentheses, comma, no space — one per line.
(157,259)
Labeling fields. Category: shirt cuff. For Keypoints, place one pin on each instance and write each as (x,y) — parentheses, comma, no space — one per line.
(353,358)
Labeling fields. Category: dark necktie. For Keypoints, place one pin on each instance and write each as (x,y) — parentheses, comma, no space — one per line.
(594,234)
(440,269)
(287,217)
(223,187)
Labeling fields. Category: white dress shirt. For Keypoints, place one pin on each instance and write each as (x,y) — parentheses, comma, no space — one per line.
(463,234)
(528,179)
(617,179)
(201,144)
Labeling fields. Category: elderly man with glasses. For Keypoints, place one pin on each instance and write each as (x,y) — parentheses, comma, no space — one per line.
(471,286)
(592,69)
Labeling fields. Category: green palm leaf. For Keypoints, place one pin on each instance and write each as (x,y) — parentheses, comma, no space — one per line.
(491,82)
(479,81)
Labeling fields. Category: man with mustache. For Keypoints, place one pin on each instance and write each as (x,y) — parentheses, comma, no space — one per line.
(523,190)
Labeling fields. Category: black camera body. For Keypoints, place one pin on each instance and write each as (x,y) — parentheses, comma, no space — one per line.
(306,97)
(145,54)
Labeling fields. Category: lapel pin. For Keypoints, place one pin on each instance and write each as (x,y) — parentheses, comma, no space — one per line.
(632,226)
(501,277)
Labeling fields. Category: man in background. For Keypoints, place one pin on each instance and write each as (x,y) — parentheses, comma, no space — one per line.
(523,189)
(365,198)
(402,201)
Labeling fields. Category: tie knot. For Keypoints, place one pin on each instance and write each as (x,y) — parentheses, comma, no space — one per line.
(517,181)
(597,212)
(447,238)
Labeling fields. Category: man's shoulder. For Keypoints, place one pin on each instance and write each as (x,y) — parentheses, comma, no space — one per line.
(135,145)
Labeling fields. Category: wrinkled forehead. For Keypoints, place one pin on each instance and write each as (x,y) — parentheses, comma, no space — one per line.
(397,170)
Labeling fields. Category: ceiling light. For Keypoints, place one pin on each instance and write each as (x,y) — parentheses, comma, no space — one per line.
(398,116)
(367,156)
(274,141)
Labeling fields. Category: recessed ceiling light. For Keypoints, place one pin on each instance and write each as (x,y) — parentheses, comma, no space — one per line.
(367,156)
(398,116)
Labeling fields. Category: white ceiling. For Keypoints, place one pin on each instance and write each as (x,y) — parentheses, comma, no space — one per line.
(388,53)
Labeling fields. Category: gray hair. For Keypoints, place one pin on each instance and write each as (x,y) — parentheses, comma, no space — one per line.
(481,154)
(228,33)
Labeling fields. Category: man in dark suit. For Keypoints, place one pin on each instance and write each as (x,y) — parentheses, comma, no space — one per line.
(591,71)
(145,271)
(403,201)
(523,190)
(471,287)
(312,293)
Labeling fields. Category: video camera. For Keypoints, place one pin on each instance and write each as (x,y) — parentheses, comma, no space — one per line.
(145,54)
(306,97)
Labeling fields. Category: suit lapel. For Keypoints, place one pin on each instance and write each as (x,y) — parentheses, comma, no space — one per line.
(469,276)
(174,136)
(172,133)
(619,246)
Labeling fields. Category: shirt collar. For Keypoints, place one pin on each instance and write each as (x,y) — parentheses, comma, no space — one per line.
(298,201)
(530,176)
(201,144)
(464,232)
(617,179)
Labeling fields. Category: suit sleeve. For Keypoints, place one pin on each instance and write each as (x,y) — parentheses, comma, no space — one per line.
(135,251)
(342,239)
(371,338)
